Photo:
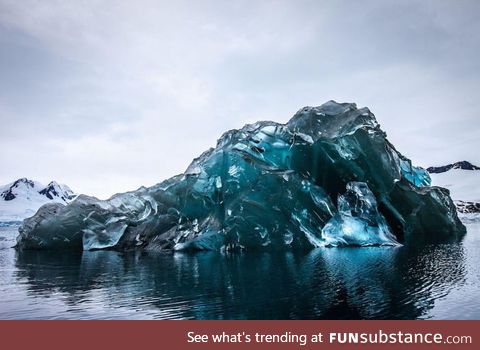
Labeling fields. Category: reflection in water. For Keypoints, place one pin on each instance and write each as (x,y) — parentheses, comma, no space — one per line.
(324,283)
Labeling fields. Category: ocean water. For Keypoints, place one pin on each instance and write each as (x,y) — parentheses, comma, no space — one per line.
(426,282)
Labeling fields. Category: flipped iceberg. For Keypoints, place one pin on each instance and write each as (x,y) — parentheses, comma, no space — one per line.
(329,177)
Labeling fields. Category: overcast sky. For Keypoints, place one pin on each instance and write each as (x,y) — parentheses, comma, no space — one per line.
(107,96)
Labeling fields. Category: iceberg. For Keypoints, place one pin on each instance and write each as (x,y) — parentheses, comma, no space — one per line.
(328,177)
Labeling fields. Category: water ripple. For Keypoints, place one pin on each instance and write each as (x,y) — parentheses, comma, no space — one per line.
(430,281)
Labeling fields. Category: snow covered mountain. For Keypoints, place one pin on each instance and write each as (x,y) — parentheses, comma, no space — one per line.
(463,181)
(463,165)
(22,198)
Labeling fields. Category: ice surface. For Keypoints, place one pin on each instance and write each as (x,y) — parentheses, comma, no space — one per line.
(268,185)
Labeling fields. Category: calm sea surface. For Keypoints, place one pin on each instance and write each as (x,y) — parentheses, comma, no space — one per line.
(432,281)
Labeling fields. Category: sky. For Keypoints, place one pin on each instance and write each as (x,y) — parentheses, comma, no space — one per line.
(107,96)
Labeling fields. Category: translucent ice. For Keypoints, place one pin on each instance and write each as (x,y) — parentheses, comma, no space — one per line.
(358,221)
(267,185)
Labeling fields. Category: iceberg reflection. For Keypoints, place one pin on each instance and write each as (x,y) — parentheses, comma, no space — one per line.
(335,283)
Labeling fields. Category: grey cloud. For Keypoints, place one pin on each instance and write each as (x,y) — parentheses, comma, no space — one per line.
(107,96)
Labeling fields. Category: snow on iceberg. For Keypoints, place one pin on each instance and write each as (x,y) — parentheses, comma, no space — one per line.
(328,177)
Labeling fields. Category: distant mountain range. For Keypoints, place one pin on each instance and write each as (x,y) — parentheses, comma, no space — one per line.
(464,165)
(22,198)
(463,181)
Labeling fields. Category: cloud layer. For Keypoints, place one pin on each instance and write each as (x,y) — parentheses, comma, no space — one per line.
(107,96)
